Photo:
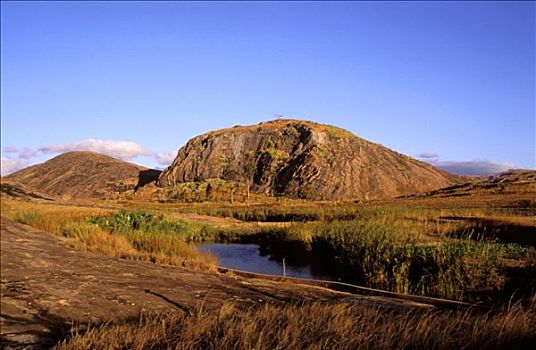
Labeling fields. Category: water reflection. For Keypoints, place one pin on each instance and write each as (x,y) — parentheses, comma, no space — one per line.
(248,257)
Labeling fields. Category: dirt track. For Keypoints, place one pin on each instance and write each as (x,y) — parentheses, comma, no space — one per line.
(47,286)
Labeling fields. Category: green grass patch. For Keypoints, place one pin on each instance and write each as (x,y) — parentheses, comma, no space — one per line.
(129,222)
(28,217)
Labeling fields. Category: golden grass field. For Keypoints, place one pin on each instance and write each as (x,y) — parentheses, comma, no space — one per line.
(315,326)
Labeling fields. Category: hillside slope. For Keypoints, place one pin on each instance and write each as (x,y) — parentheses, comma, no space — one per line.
(18,191)
(84,175)
(518,182)
(302,159)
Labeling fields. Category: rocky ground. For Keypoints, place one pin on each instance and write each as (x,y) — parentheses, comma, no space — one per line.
(47,287)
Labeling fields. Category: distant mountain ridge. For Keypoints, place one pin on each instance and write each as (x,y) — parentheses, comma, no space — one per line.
(302,159)
(520,181)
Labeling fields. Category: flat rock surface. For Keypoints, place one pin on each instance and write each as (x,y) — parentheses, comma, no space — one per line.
(47,287)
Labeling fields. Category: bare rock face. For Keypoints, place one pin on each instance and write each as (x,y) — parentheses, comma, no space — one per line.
(84,175)
(302,159)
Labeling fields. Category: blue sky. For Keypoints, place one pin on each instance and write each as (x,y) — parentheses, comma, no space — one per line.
(452,83)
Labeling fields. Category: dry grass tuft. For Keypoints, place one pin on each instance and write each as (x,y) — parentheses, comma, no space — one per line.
(315,326)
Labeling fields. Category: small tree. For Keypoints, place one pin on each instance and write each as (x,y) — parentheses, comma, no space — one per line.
(249,170)
(231,175)
(234,186)
(208,192)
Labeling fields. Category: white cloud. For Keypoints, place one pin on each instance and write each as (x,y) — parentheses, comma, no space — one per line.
(10,149)
(9,165)
(125,150)
(428,155)
(23,153)
(475,167)
(27,153)
(165,158)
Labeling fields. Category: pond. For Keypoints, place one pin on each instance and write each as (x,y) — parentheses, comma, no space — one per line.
(251,258)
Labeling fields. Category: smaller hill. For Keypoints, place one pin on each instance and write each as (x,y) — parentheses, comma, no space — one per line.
(84,175)
(17,191)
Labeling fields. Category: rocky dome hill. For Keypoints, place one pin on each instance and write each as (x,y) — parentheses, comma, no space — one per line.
(302,159)
(84,175)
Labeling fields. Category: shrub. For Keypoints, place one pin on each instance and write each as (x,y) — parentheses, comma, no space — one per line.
(125,221)
(28,217)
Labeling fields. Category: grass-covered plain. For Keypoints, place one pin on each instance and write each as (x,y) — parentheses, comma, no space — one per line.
(465,252)
(453,252)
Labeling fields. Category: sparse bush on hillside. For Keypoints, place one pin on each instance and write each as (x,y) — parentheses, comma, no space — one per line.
(210,190)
